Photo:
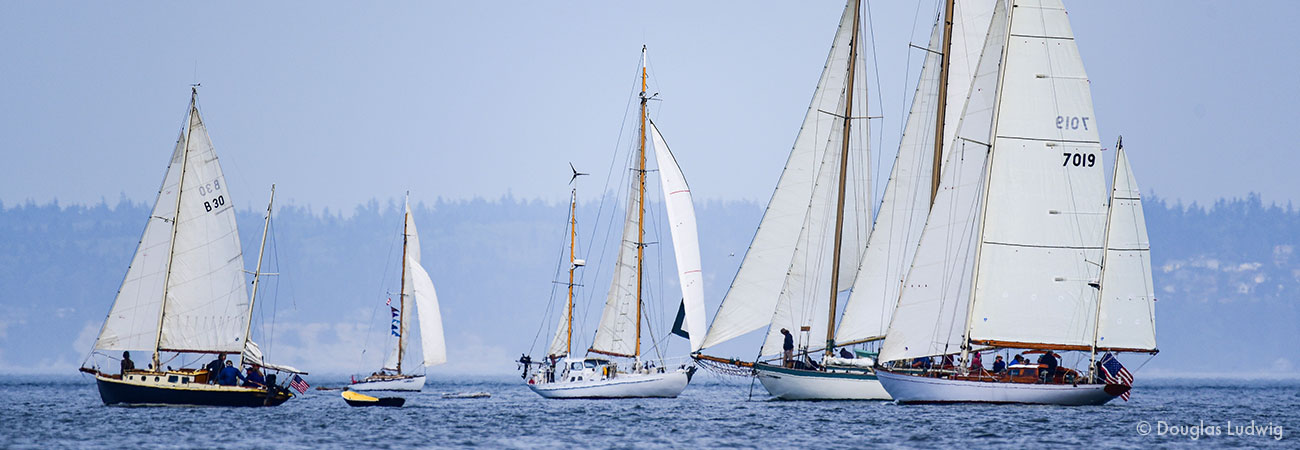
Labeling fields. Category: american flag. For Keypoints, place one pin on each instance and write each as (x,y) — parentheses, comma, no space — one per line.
(1116,373)
(299,384)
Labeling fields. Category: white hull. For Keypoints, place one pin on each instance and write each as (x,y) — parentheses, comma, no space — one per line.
(411,384)
(634,385)
(791,384)
(917,389)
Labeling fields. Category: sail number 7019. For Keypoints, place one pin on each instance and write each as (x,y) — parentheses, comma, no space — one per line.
(1079,159)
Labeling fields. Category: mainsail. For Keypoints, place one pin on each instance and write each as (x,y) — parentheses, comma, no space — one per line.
(188,267)
(1126,317)
(686,241)
(906,201)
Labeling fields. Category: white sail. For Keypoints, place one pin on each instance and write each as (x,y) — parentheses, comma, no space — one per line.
(132,323)
(1127,312)
(432,341)
(207,300)
(932,304)
(560,342)
(686,237)
(617,332)
(1045,206)
(906,201)
(752,297)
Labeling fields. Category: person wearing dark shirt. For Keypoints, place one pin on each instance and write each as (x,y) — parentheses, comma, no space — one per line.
(1049,360)
(844,353)
(788,358)
(229,375)
(254,378)
(214,368)
(127,364)
(999,365)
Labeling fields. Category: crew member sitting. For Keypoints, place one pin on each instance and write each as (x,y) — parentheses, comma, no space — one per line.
(214,368)
(1049,360)
(254,378)
(999,365)
(127,364)
(844,353)
(229,375)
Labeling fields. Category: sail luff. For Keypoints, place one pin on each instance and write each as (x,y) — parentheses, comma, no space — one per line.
(171,250)
(944,62)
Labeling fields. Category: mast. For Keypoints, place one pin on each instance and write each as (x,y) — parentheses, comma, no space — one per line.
(401,293)
(171,246)
(942,106)
(573,236)
(640,221)
(844,168)
(1105,248)
(257,272)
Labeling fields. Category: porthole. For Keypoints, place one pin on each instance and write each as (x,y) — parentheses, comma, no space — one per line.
(155,378)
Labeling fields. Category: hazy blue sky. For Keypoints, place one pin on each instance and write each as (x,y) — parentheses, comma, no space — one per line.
(339,102)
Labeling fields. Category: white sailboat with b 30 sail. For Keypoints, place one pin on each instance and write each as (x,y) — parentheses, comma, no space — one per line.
(416,291)
(619,332)
(1024,251)
(184,293)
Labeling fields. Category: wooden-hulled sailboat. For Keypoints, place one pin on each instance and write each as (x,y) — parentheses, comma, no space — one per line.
(184,292)
(619,332)
(1023,250)
(416,291)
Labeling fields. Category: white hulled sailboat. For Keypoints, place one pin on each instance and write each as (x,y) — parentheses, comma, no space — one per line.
(184,292)
(1023,249)
(619,332)
(416,291)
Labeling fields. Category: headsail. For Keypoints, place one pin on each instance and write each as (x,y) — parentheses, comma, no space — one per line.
(617,331)
(420,288)
(1127,311)
(686,240)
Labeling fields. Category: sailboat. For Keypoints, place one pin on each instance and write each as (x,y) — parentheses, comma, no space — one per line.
(619,332)
(1023,250)
(184,292)
(416,291)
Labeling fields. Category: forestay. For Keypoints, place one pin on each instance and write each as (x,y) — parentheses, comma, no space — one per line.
(685,235)
(1127,312)
(1045,206)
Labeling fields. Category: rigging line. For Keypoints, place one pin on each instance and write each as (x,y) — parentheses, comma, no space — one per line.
(551,301)
(880,104)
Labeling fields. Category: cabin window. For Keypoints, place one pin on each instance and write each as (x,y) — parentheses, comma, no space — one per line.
(171,379)
(579,378)
(591,364)
(129,378)
(576,366)
(156,379)
(185,380)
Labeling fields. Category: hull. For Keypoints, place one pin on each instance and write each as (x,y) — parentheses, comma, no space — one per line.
(143,391)
(795,384)
(408,383)
(917,389)
(664,385)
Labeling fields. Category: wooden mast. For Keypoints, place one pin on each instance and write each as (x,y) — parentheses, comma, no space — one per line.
(401,293)
(844,168)
(171,247)
(640,221)
(943,99)
(257,272)
(573,236)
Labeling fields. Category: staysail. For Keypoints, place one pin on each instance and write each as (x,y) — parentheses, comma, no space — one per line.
(755,291)
(686,240)
(1127,311)
(617,332)
(1044,212)
(932,305)
(906,201)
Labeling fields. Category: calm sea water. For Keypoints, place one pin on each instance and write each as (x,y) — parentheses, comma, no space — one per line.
(713,412)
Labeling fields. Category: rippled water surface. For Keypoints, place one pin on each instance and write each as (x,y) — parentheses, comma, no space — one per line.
(712,412)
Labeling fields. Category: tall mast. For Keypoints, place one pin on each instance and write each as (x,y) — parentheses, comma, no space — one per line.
(401,293)
(640,221)
(844,170)
(573,236)
(171,247)
(1105,248)
(257,272)
(943,99)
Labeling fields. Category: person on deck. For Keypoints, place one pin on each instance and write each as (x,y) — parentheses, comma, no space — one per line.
(999,365)
(787,359)
(127,364)
(254,378)
(214,367)
(229,375)
(1018,360)
(976,363)
(844,353)
(1048,359)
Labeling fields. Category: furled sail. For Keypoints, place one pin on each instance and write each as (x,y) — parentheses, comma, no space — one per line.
(906,201)
(1127,312)
(932,305)
(132,323)
(206,305)
(686,240)
(617,332)
(754,292)
(1045,207)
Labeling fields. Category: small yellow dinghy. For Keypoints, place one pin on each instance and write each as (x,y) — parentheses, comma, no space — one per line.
(357,399)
